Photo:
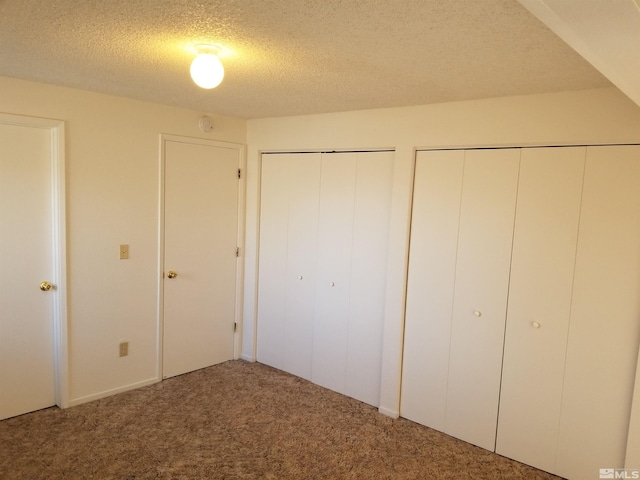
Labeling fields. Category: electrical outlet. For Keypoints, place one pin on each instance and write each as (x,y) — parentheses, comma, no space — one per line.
(124,252)
(124,349)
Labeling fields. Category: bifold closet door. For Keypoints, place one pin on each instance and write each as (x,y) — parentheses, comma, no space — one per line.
(288,239)
(372,212)
(324,228)
(480,296)
(351,279)
(453,354)
(335,242)
(431,279)
(604,327)
(542,267)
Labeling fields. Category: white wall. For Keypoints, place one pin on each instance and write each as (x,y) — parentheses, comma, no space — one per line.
(582,117)
(112,158)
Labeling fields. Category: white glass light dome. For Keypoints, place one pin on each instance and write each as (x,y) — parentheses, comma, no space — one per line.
(207,70)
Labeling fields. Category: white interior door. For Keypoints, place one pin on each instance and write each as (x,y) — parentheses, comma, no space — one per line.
(27,368)
(200,241)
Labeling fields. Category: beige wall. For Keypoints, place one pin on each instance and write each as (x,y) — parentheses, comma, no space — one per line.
(583,117)
(112,159)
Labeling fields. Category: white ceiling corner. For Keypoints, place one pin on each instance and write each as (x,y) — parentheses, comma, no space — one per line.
(605,32)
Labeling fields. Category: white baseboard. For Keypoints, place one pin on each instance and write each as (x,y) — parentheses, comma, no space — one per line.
(388,412)
(108,393)
(247,358)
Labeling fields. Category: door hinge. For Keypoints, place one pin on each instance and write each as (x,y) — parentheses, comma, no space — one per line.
(237,251)
(239,174)
(235,327)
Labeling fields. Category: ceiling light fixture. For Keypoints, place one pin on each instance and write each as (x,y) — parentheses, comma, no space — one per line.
(206,69)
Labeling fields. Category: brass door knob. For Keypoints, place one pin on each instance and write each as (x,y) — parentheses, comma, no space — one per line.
(45,286)
(171,274)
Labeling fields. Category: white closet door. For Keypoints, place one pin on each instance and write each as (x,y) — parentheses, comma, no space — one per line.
(288,238)
(333,288)
(324,230)
(480,296)
(542,266)
(432,262)
(302,239)
(274,224)
(372,205)
(604,329)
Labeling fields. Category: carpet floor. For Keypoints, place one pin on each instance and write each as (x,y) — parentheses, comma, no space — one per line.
(237,420)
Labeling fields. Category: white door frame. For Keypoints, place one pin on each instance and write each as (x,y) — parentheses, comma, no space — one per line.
(242,165)
(56,130)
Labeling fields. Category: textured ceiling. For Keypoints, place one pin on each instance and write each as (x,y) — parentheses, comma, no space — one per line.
(288,57)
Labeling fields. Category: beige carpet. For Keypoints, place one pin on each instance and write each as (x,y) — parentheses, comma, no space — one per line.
(237,420)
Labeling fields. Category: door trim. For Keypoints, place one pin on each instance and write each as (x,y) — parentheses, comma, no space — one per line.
(242,165)
(56,130)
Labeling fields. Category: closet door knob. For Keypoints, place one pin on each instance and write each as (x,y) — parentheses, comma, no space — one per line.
(332,284)
(535,325)
(300,277)
(477,313)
